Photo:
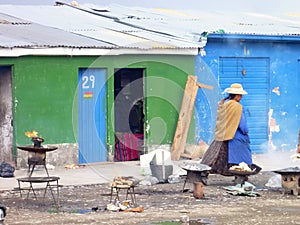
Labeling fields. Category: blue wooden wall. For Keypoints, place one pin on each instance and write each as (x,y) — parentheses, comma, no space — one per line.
(272,82)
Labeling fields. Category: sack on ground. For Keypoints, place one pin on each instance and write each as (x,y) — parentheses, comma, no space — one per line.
(6,170)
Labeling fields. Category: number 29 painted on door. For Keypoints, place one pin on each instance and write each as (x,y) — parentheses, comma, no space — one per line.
(92,116)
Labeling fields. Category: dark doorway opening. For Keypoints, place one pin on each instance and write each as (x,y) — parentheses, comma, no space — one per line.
(129,113)
(6,115)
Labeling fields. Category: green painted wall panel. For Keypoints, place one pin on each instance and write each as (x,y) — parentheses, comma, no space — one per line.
(164,91)
(45,93)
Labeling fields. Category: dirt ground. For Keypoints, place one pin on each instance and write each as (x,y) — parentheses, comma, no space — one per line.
(161,202)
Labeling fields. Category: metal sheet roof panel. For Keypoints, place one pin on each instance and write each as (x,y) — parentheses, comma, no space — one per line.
(20,33)
(99,27)
(191,24)
(144,28)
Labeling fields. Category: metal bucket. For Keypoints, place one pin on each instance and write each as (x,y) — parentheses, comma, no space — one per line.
(161,172)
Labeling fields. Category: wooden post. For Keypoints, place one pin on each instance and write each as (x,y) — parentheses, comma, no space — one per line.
(185,116)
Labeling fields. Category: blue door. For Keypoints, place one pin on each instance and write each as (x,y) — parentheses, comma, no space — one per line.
(253,74)
(92,116)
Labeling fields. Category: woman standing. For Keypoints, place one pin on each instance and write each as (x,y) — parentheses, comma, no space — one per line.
(231,145)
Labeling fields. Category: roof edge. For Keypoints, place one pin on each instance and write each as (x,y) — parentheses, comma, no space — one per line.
(294,38)
(15,52)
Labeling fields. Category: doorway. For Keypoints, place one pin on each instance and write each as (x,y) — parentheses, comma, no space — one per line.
(253,74)
(92,115)
(128,113)
(6,117)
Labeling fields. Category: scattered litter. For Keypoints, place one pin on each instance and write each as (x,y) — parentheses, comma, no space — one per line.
(184,219)
(149,180)
(172,179)
(136,209)
(95,209)
(144,172)
(245,193)
(74,166)
(125,206)
(274,181)
(84,211)
(245,190)
(50,167)
(112,207)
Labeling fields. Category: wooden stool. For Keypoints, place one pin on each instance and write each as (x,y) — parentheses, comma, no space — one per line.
(129,191)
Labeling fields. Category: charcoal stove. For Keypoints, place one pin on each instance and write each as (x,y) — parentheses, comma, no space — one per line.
(240,177)
(196,173)
(36,154)
(290,179)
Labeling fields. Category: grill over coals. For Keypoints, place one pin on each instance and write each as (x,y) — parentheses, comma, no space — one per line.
(37,158)
(36,152)
(37,142)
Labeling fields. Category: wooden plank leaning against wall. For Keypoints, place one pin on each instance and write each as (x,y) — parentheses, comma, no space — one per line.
(185,116)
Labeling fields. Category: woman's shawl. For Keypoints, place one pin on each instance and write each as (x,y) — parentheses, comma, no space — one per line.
(228,118)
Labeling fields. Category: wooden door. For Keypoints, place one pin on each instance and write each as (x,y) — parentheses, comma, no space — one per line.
(253,74)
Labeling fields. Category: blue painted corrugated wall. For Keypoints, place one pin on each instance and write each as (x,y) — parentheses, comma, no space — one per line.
(272,79)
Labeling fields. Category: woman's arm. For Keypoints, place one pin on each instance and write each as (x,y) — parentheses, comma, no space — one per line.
(243,126)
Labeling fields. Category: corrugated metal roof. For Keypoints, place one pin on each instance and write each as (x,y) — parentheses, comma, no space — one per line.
(136,27)
(192,23)
(100,27)
(16,33)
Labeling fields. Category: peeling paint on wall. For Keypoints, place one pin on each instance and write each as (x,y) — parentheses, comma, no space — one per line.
(246,51)
(276,91)
(273,126)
